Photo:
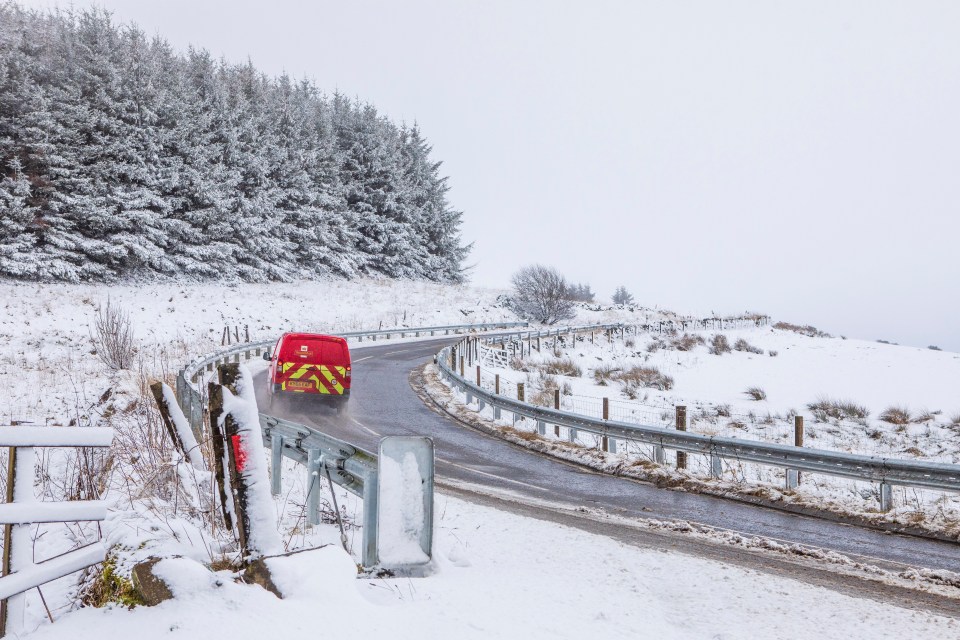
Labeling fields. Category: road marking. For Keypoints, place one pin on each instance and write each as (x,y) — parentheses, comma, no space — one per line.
(492,475)
(362,359)
(396,352)
(364,427)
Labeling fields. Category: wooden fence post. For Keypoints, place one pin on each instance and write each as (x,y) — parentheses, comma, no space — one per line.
(793,475)
(478,375)
(681,426)
(604,441)
(520,392)
(556,405)
(229,375)
(461,366)
(8,534)
(215,402)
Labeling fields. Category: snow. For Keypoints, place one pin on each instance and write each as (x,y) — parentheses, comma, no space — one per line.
(24,436)
(31,575)
(494,574)
(184,432)
(19,513)
(260,511)
(801,371)
(401,515)
(500,575)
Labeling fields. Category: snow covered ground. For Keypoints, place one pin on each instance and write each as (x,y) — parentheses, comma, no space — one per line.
(842,387)
(496,574)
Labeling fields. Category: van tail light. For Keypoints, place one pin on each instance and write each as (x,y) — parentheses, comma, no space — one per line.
(347,374)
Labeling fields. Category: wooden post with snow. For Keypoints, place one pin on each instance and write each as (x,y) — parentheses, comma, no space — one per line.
(793,475)
(604,441)
(215,402)
(681,426)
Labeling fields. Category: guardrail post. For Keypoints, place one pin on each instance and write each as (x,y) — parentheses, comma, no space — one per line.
(461,366)
(716,466)
(659,455)
(681,423)
(276,463)
(313,487)
(886,497)
(369,555)
(538,344)
(496,389)
(478,375)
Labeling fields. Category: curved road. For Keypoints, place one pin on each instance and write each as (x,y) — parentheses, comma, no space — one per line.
(383,403)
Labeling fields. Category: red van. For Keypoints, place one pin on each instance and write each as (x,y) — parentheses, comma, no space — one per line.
(311,363)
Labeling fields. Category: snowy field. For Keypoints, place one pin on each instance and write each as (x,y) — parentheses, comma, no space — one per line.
(496,574)
(844,389)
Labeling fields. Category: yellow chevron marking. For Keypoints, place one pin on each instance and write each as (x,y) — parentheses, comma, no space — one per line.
(337,387)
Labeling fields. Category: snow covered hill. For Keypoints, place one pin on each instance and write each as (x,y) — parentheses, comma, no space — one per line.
(497,575)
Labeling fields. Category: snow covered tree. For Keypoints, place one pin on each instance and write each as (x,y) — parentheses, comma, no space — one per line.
(541,294)
(622,296)
(120,157)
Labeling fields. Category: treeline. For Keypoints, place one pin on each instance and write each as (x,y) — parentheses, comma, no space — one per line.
(120,157)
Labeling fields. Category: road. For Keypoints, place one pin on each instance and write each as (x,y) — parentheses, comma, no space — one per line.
(383,403)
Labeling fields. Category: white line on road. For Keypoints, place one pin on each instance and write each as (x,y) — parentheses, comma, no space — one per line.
(492,475)
(361,359)
(364,427)
(396,352)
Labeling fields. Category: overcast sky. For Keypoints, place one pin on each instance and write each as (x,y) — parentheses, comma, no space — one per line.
(797,158)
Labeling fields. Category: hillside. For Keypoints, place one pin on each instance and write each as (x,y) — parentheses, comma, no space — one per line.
(120,158)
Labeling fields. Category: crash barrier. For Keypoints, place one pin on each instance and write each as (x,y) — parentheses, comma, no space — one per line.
(350,467)
(20,572)
(453,361)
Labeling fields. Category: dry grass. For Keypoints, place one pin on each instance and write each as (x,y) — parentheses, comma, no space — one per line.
(805,330)
(756,393)
(825,408)
(687,342)
(896,415)
(743,345)
(560,367)
(719,344)
(603,373)
(649,377)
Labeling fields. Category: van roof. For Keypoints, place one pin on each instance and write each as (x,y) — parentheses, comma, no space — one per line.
(312,336)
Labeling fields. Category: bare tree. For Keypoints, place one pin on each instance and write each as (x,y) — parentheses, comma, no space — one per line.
(541,294)
(112,336)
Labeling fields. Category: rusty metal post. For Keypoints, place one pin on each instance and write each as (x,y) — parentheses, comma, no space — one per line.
(681,426)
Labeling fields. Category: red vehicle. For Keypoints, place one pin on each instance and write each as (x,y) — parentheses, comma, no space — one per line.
(312,364)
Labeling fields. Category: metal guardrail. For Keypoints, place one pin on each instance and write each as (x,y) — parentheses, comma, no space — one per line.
(351,467)
(887,471)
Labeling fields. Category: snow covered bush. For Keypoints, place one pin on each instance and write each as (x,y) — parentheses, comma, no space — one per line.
(112,336)
(541,294)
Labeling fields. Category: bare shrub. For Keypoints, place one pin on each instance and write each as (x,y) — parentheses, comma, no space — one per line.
(896,415)
(629,343)
(112,336)
(925,415)
(756,393)
(561,367)
(542,294)
(655,345)
(723,410)
(806,330)
(934,347)
(825,408)
(687,342)
(719,344)
(955,420)
(772,353)
(519,364)
(743,345)
(603,373)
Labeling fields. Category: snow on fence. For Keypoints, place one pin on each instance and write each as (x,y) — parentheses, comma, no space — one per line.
(20,573)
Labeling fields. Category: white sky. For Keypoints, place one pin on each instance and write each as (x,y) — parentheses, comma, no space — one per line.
(798,158)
